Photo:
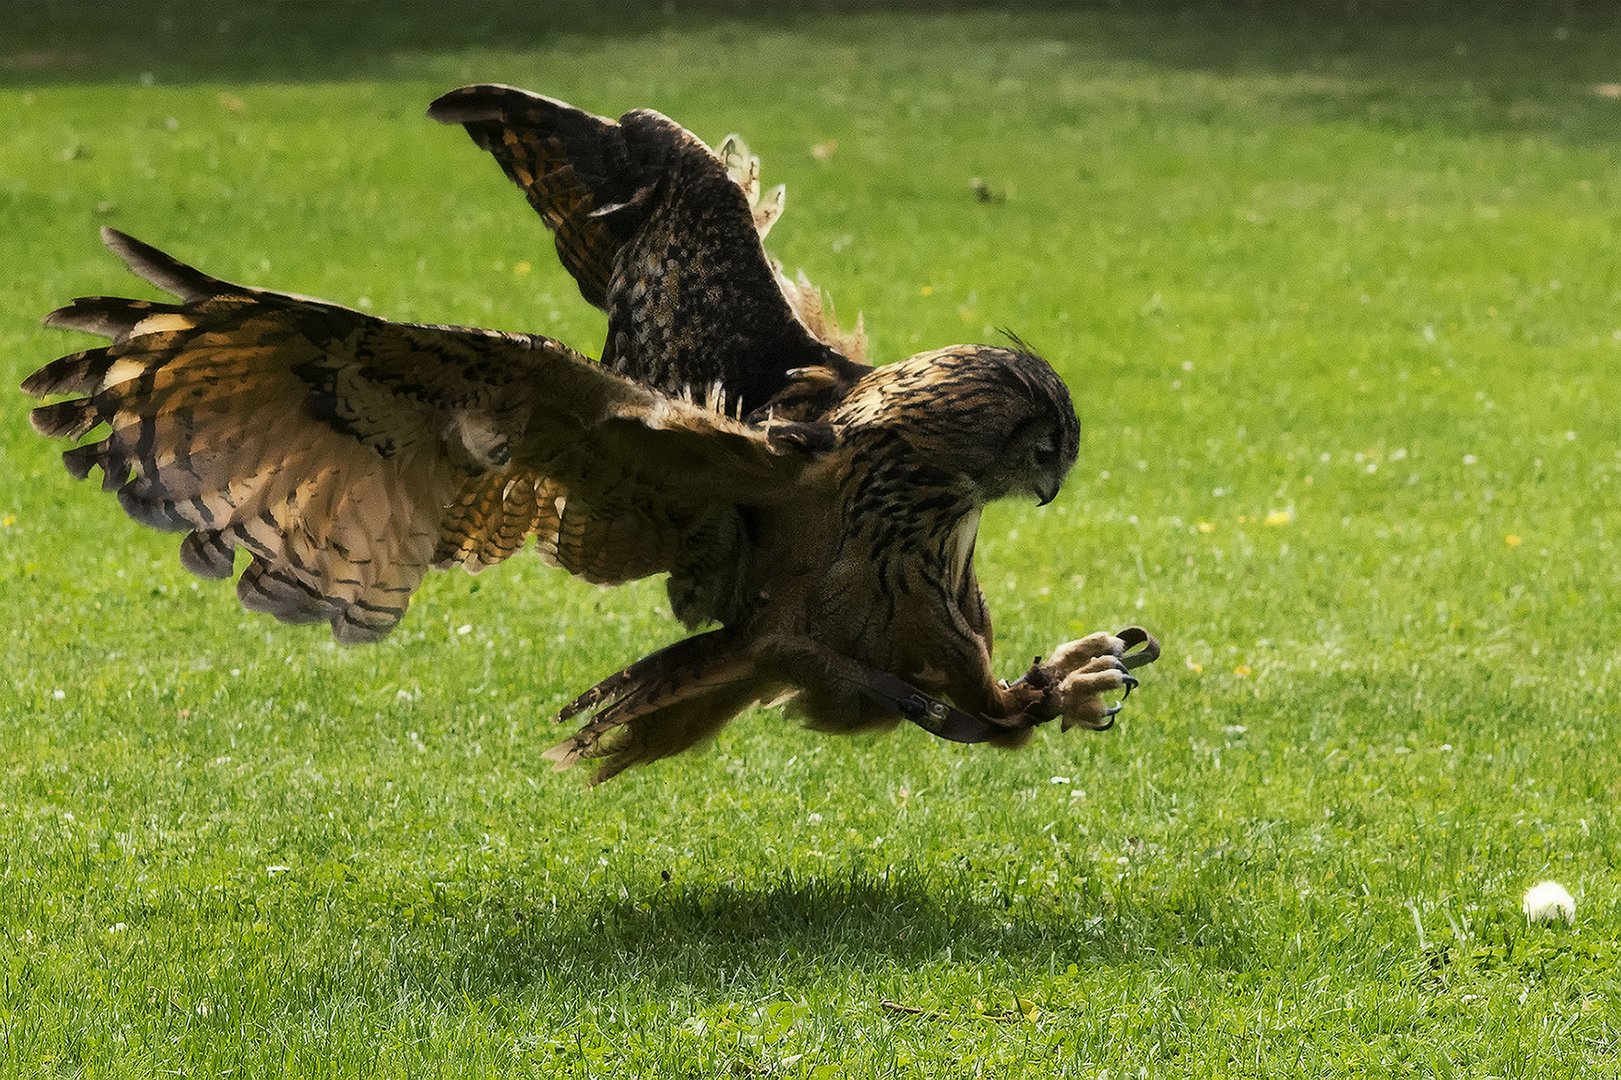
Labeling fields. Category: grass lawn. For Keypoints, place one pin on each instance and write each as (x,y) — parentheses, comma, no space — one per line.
(1339,298)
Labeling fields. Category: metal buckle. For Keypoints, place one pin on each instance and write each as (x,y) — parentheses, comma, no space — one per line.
(926,712)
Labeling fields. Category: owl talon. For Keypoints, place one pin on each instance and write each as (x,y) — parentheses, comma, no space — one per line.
(1129,683)
(1133,636)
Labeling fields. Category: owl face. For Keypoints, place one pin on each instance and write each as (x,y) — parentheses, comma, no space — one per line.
(998,419)
(1035,429)
(1036,457)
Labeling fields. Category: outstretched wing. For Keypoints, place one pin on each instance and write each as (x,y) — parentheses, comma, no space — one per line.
(575,168)
(347,454)
(656,230)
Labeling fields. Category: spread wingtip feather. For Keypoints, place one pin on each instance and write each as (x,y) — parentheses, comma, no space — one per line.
(480,101)
(161,269)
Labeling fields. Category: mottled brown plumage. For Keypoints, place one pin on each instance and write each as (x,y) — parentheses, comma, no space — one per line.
(821,511)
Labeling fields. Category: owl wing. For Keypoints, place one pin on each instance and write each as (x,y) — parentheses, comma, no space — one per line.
(575,168)
(665,235)
(347,454)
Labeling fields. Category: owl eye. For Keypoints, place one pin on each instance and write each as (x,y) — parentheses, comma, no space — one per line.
(1046,450)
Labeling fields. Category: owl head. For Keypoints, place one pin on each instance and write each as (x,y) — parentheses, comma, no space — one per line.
(997,419)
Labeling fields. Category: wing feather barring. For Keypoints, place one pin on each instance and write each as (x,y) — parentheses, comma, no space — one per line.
(817,512)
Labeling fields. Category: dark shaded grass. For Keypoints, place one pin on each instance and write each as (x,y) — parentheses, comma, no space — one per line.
(1454,66)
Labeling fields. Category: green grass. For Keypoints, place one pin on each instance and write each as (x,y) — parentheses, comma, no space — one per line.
(1339,298)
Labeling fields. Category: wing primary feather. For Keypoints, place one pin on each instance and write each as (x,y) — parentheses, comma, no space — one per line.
(76,373)
(161,269)
(109,316)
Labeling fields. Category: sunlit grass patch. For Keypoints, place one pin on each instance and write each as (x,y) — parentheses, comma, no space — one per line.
(1338,301)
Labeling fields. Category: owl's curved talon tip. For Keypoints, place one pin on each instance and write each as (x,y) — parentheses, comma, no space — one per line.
(1135,636)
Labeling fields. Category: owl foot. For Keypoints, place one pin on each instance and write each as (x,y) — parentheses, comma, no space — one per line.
(1080,698)
(1079,673)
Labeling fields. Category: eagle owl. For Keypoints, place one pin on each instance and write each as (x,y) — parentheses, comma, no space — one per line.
(816,512)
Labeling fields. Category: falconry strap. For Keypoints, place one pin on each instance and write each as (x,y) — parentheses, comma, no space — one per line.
(929,713)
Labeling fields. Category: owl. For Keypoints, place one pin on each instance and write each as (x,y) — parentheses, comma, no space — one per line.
(815,514)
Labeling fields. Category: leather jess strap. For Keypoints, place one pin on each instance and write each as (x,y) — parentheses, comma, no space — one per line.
(933,715)
(944,719)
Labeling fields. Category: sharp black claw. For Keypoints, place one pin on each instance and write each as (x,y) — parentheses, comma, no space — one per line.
(1129,681)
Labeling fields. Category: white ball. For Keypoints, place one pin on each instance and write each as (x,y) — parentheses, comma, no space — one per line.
(1547,901)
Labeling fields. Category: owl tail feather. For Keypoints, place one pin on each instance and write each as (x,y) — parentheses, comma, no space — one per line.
(663,703)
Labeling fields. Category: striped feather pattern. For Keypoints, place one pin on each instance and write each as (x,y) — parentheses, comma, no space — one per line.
(492,517)
(346,454)
(570,165)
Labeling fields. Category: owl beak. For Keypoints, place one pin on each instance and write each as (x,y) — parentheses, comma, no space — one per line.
(1045,495)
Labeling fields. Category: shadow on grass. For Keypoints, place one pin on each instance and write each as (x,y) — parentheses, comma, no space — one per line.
(710,940)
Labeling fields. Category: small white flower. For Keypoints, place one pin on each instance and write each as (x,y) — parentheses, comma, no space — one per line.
(274,870)
(1547,901)
(117,928)
(1058,780)
(464,629)
(58,695)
